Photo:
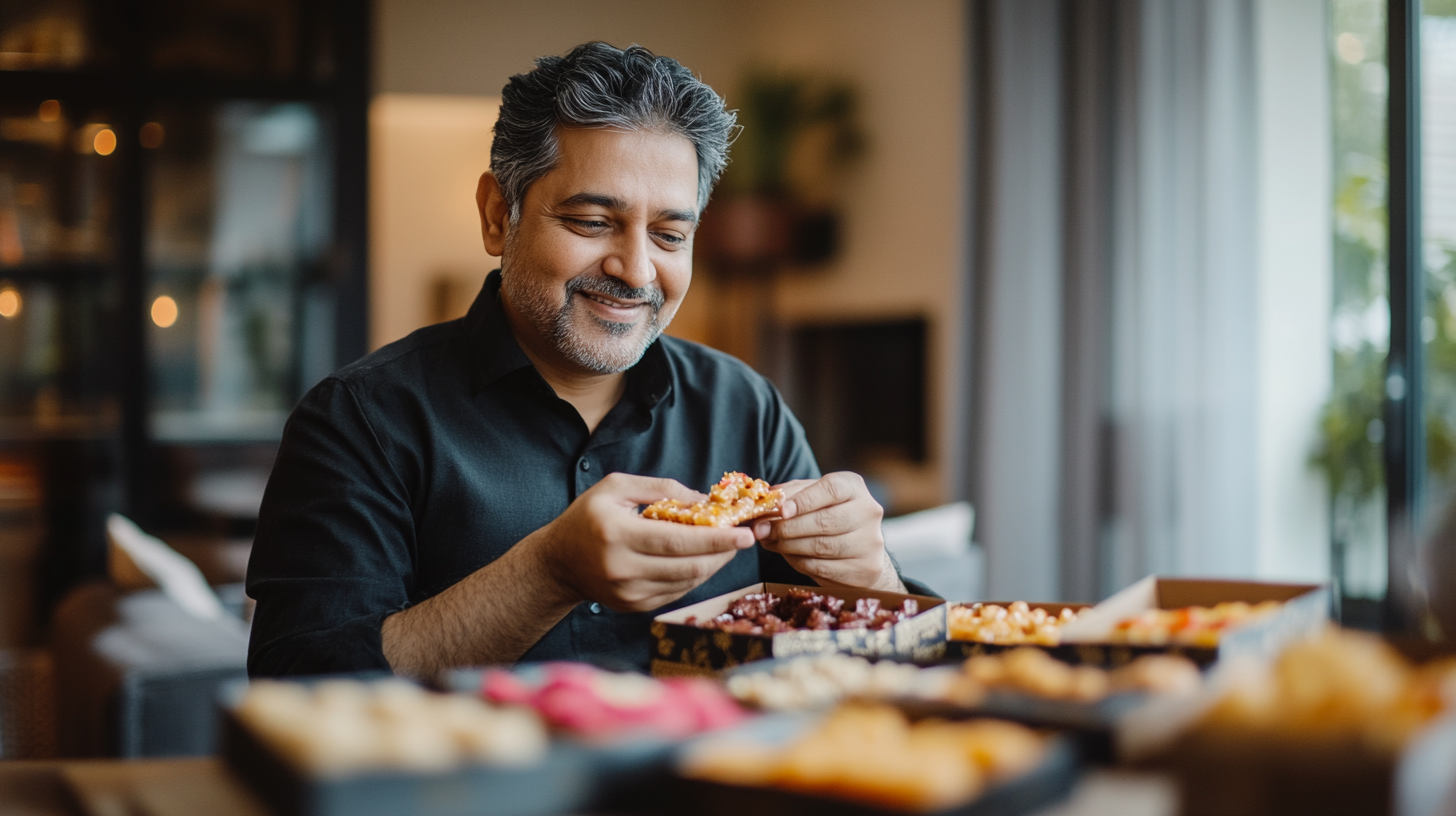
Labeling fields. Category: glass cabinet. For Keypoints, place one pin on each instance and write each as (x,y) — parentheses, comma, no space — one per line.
(181,249)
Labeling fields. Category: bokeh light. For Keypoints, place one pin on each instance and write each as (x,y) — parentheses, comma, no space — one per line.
(105,141)
(1350,48)
(164,311)
(151,136)
(9,302)
(50,110)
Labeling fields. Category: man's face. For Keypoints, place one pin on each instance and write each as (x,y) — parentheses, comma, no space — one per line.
(601,257)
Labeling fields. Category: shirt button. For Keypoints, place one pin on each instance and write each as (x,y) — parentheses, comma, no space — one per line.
(585,465)
(596,608)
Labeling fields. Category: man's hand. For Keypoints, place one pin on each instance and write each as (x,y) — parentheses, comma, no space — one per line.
(602,550)
(830,530)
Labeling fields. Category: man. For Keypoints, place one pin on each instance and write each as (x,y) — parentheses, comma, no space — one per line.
(462,496)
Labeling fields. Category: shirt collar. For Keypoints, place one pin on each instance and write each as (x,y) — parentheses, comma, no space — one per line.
(497,353)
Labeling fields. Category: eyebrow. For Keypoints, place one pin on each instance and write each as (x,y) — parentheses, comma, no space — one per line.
(614,203)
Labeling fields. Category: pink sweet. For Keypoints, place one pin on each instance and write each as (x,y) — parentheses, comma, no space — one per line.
(596,704)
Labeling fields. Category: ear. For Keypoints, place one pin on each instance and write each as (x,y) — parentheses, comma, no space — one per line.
(494,213)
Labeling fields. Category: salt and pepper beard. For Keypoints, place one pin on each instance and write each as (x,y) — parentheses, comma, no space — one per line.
(617,350)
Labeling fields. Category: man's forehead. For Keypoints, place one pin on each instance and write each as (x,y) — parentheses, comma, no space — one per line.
(623,170)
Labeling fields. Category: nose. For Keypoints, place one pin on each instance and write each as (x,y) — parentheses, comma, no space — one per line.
(630,259)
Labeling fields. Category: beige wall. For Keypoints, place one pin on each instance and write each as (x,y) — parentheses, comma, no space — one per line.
(902,254)
(425,156)
(904,218)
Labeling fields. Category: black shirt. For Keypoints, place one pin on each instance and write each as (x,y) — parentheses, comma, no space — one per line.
(415,466)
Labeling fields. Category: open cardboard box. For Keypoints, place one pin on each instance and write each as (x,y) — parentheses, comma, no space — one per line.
(683,648)
(961,649)
(1305,609)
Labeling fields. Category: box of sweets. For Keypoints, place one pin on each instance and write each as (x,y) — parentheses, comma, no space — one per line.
(730,630)
(1204,620)
(967,635)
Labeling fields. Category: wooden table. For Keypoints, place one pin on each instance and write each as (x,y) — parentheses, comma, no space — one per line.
(194,786)
(109,787)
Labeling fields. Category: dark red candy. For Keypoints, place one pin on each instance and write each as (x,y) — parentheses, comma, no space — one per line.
(764,613)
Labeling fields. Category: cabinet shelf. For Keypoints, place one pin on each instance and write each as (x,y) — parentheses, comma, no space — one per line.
(58,272)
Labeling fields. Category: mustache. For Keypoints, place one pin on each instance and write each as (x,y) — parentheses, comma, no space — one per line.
(614,288)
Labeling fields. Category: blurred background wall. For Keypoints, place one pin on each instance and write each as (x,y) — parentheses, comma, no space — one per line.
(1114,221)
(441,65)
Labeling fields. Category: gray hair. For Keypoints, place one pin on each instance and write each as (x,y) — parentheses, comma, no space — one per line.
(598,86)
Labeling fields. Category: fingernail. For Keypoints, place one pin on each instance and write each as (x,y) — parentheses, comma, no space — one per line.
(745,542)
(789,508)
(760,530)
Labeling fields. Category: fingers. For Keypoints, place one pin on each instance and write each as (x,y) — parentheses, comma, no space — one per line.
(636,490)
(689,571)
(841,519)
(664,538)
(791,488)
(825,547)
(835,488)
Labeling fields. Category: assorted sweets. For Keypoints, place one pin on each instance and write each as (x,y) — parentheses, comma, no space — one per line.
(859,746)
(736,498)
(1200,626)
(767,613)
(823,680)
(339,727)
(599,705)
(1029,670)
(873,754)
(1342,684)
(1015,623)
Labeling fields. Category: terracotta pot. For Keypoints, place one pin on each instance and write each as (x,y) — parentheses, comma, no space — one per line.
(747,229)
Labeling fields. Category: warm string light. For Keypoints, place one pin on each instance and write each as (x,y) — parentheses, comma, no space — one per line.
(164,311)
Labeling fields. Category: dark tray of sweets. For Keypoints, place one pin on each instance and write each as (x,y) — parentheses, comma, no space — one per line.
(1090,725)
(1044,785)
(561,782)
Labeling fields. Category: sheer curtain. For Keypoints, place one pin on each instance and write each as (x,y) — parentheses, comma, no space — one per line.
(1125,421)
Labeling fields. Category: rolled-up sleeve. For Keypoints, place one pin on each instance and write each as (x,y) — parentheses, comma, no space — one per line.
(333,553)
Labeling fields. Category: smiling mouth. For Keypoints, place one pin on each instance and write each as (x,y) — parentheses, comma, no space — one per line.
(612,302)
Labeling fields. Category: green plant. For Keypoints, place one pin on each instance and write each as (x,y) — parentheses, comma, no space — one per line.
(781,115)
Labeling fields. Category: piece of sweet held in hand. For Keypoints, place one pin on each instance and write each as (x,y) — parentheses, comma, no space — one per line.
(736,498)
(764,613)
